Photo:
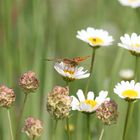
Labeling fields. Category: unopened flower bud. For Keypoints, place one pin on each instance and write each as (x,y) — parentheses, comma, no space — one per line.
(107,112)
(7,96)
(127,74)
(71,128)
(29,82)
(59,102)
(32,127)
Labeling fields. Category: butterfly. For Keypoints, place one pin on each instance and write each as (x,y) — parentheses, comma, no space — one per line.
(72,62)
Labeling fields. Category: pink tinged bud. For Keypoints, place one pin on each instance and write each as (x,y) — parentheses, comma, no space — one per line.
(32,127)
(59,102)
(29,82)
(107,112)
(7,96)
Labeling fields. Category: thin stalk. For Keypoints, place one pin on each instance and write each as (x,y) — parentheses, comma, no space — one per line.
(68,129)
(20,116)
(10,124)
(126,120)
(102,133)
(33,137)
(88,127)
(67,120)
(54,133)
(90,70)
(136,69)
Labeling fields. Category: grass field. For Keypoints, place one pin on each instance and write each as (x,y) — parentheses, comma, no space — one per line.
(32,30)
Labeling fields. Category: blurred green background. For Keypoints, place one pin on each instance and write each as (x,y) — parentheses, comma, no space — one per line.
(32,30)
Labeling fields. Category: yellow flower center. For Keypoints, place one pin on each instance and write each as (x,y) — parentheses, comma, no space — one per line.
(96,40)
(130,93)
(69,71)
(92,103)
(136,45)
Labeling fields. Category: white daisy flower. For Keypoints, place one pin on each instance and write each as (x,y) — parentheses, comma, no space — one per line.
(131,3)
(131,43)
(90,104)
(128,90)
(70,73)
(95,37)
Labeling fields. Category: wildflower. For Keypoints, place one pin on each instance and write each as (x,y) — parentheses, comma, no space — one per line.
(131,43)
(32,127)
(107,112)
(126,74)
(71,127)
(90,104)
(128,90)
(95,37)
(131,3)
(70,73)
(29,82)
(59,102)
(7,96)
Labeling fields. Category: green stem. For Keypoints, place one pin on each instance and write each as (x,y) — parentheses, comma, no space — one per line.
(54,133)
(68,129)
(90,70)
(20,116)
(88,126)
(67,120)
(33,138)
(10,124)
(126,120)
(102,133)
(136,69)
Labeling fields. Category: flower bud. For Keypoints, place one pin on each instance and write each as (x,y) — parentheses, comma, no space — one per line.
(126,74)
(71,128)
(32,127)
(107,112)
(29,82)
(7,96)
(59,102)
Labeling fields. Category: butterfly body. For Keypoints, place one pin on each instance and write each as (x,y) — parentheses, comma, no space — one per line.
(72,62)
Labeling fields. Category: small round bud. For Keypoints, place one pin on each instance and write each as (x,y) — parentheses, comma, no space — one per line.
(32,127)
(71,128)
(127,74)
(7,96)
(29,82)
(107,112)
(59,102)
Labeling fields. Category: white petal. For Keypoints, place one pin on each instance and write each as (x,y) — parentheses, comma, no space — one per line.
(80,95)
(74,103)
(90,95)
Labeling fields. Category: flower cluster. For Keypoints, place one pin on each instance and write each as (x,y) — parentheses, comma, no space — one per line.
(29,82)
(59,102)
(107,112)
(7,96)
(32,127)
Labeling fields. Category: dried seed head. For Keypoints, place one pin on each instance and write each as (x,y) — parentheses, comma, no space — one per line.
(59,102)
(107,112)
(7,96)
(29,82)
(32,127)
